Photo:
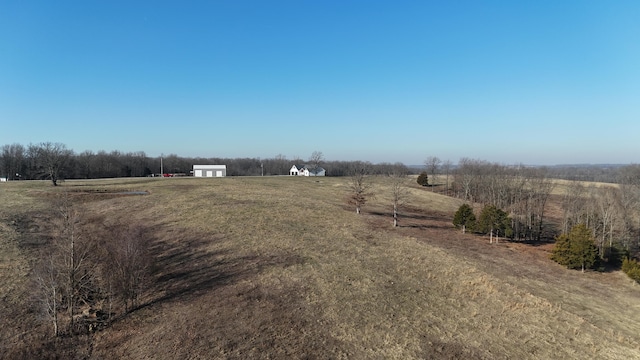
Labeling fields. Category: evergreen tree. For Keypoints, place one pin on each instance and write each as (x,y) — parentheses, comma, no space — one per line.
(576,250)
(494,220)
(464,218)
(423,179)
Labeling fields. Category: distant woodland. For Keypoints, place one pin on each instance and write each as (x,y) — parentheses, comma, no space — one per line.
(54,161)
(39,161)
(518,201)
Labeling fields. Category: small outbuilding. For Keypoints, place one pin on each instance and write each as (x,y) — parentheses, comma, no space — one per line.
(209,170)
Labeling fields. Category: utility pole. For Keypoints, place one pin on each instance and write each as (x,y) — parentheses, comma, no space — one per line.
(161,166)
(262,169)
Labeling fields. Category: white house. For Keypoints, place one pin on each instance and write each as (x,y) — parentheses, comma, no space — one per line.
(305,171)
(209,170)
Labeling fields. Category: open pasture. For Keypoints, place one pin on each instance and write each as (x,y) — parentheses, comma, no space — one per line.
(281,267)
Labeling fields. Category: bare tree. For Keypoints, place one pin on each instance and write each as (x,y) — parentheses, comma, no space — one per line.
(541,188)
(51,159)
(446,166)
(72,251)
(607,201)
(432,163)
(628,213)
(359,186)
(629,180)
(12,161)
(278,165)
(129,264)
(573,201)
(64,280)
(316,158)
(399,194)
(47,291)
(466,179)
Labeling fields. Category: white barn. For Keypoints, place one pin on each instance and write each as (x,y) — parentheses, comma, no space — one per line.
(209,170)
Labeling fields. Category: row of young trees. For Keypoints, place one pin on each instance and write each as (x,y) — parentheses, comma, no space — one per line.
(492,221)
(54,161)
(360,187)
(89,273)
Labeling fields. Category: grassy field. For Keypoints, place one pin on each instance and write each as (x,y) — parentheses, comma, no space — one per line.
(281,267)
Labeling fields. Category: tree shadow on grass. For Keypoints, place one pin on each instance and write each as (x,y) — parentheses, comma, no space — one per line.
(409,215)
(103,182)
(416,218)
(253,317)
(423,226)
(186,266)
(534,243)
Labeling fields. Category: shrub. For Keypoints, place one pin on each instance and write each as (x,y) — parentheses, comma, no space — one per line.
(632,268)
(423,179)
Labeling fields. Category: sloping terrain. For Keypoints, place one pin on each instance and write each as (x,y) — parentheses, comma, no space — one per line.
(280,267)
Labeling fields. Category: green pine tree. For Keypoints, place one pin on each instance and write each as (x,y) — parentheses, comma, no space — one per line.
(577,249)
(464,218)
(493,219)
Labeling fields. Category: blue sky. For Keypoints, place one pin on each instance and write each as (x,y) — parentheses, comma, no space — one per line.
(538,82)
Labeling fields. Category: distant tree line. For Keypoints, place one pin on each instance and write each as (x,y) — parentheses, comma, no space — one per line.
(610,213)
(522,192)
(609,173)
(54,161)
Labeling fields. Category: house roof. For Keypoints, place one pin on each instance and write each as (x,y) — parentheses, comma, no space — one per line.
(210,167)
(307,167)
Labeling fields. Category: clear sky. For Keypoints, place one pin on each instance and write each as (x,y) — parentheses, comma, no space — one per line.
(534,82)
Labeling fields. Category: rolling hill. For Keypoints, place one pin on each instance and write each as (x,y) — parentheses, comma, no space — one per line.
(281,267)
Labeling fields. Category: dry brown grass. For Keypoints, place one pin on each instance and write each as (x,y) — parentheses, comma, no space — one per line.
(280,267)
(561,186)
